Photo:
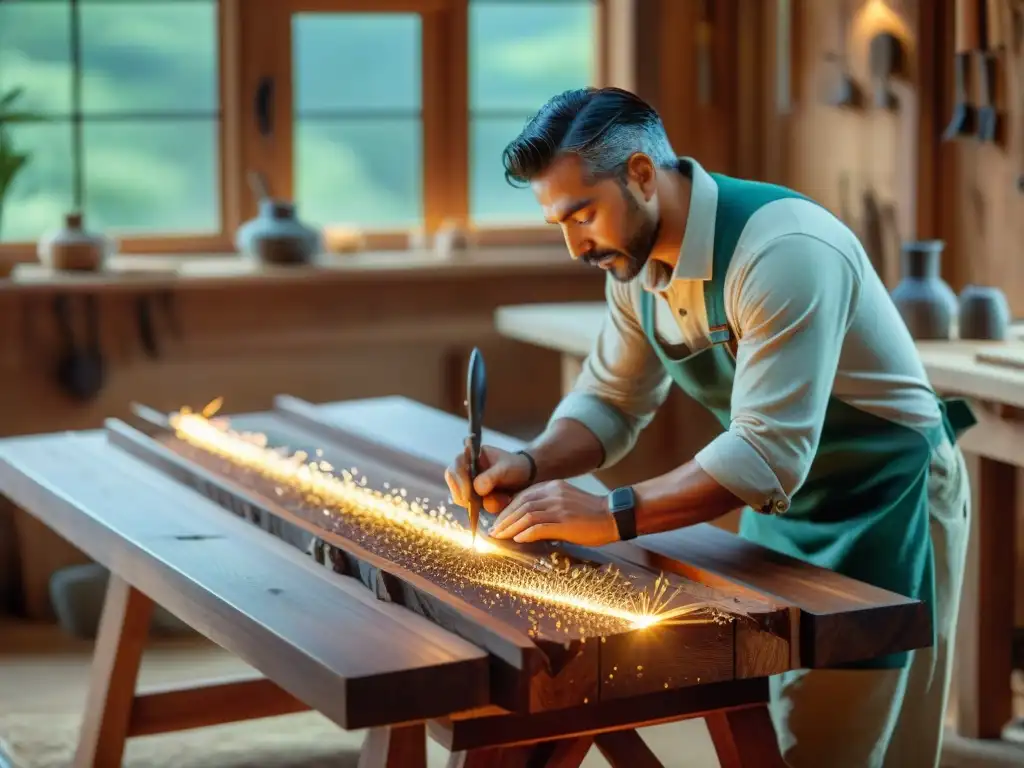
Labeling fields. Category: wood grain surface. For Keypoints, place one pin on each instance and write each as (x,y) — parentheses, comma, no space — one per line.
(359,661)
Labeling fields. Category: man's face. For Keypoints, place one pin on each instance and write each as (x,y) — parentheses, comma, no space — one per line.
(610,224)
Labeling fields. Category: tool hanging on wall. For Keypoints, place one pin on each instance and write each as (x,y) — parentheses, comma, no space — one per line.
(886,61)
(783,57)
(989,124)
(705,52)
(1016,51)
(80,368)
(843,90)
(967,41)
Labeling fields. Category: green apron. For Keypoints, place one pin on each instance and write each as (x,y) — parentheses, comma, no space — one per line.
(863,509)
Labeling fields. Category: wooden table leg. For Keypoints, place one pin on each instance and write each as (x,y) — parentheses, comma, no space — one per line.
(626,749)
(560,753)
(120,641)
(745,738)
(984,646)
(400,746)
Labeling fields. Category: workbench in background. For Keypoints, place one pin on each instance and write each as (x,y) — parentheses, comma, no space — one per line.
(991,606)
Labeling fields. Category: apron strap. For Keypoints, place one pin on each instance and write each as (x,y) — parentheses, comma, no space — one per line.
(957,417)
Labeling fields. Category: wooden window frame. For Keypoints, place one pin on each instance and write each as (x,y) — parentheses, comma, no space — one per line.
(254,43)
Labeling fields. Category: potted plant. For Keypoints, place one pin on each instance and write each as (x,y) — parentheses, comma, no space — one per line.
(11,160)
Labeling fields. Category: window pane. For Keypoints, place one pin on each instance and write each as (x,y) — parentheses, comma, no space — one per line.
(35,54)
(523,53)
(361,172)
(42,191)
(356,61)
(153,56)
(493,200)
(152,177)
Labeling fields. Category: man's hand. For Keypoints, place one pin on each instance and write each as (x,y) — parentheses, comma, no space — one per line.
(501,475)
(557,510)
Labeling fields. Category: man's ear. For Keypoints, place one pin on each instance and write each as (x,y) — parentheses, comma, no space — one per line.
(641,171)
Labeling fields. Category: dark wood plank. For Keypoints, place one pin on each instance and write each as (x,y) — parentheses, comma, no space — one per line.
(685,654)
(840,619)
(321,638)
(477,730)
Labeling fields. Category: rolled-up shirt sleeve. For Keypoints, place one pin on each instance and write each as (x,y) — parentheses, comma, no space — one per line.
(622,382)
(791,304)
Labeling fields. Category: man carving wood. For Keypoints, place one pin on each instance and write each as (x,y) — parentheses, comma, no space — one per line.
(761,305)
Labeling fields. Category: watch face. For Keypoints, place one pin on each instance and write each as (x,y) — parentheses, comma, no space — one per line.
(622,498)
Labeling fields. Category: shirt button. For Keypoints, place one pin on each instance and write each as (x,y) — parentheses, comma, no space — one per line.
(780,506)
(682,312)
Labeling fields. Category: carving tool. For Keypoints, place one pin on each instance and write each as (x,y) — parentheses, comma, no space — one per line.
(476,399)
(968,39)
(989,128)
(844,92)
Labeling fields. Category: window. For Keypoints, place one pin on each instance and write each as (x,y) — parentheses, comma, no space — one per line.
(521,54)
(357,122)
(125,109)
(384,115)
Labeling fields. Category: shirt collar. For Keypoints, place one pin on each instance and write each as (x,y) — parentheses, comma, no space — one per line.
(696,255)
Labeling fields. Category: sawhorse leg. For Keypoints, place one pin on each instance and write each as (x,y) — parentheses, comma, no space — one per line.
(115,711)
(124,626)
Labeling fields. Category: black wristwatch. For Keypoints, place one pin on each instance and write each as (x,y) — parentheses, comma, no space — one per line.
(622,504)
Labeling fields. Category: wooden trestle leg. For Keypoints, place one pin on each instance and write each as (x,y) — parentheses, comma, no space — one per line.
(399,746)
(745,738)
(124,626)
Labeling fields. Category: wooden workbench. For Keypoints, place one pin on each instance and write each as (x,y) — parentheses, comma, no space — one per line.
(176,533)
(996,447)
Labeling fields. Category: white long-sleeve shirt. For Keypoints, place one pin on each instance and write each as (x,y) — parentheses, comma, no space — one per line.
(813,321)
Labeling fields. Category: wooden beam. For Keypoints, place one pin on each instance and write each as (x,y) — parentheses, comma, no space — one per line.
(197,705)
(323,639)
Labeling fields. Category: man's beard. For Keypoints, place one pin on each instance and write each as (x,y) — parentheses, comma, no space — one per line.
(631,259)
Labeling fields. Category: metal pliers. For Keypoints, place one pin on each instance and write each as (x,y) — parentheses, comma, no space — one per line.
(476,398)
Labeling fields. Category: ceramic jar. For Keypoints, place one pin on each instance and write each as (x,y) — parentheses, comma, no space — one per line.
(276,236)
(925,301)
(984,313)
(74,249)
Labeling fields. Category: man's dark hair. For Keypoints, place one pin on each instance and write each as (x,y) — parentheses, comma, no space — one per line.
(603,126)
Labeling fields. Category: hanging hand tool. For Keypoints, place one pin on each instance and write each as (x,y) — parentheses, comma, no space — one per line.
(705,35)
(80,369)
(1016,49)
(988,115)
(844,91)
(885,56)
(968,40)
(476,400)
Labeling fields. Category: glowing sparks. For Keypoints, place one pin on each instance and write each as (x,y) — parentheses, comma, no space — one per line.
(582,599)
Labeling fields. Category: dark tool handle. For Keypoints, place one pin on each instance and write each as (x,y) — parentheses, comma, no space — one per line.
(66,328)
(705,37)
(476,388)
(147,330)
(263,107)
(92,324)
